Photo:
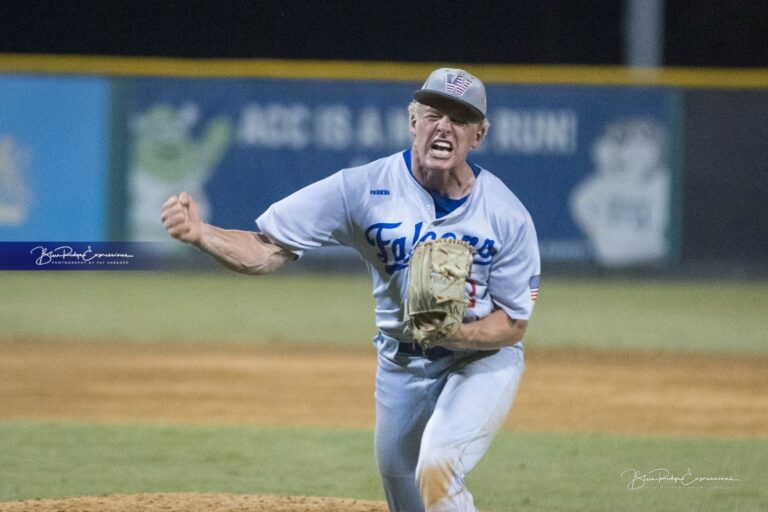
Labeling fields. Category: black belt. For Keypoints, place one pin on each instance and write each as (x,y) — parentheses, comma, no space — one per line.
(414,349)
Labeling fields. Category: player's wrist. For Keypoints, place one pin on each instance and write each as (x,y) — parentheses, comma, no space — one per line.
(459,340)
(201,236)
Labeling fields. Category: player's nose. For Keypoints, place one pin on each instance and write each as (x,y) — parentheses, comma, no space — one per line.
(444,124)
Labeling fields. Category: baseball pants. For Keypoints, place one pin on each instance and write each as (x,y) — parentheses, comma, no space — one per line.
(436,419)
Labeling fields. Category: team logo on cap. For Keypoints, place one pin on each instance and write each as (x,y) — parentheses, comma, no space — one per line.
(457,83)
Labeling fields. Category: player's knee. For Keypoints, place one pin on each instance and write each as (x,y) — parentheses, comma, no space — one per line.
(392,462)
(393,466)
(435,475)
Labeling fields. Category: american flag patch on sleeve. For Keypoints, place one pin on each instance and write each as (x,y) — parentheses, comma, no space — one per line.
(533,284)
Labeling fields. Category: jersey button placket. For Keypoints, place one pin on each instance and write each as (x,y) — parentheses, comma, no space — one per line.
(430,208)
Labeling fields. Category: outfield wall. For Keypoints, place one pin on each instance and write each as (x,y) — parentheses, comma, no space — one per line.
(619,168)
(725,186)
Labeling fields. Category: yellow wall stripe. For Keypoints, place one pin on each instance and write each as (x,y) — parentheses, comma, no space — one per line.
(756,78)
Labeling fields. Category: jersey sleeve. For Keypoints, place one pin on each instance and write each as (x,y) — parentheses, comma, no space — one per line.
(515,272)
(315,216)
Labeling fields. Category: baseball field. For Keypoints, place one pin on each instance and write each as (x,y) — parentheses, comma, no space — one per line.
(212,391)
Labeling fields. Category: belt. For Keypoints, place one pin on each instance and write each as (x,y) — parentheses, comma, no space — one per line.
(414,349)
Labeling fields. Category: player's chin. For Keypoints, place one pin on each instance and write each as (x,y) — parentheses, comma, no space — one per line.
(441,160)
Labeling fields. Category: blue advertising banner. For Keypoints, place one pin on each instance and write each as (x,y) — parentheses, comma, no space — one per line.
(54,151)
(594,165)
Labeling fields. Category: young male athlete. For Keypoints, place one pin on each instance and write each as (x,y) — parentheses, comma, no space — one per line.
(437,410)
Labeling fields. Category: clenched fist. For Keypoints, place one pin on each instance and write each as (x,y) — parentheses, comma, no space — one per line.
(181,218)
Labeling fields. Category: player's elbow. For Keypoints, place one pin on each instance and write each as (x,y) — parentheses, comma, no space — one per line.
(515,330)
(518,329)
(260,268)
(264,258)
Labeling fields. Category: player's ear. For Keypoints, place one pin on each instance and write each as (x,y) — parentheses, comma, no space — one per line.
(412,123)
(479,136)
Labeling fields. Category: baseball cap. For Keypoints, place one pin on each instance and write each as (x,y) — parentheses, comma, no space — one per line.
(455,85)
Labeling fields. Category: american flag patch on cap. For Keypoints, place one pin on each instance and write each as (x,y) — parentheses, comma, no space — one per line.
(457,84)
(533,284)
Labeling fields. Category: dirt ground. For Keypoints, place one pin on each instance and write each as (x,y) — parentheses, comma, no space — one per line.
(194,502)
(568,391)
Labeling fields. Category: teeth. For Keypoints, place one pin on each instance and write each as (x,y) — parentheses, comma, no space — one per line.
(441,146)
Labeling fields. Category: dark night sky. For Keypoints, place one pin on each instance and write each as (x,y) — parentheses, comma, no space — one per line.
(703,33)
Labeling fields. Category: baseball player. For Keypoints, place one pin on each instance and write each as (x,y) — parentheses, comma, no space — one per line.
(437,409)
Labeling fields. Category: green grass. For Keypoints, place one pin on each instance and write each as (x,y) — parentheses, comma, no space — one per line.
(331,309)
(57,460)
(652,315)
(168,307)
(523,471)
(592,472)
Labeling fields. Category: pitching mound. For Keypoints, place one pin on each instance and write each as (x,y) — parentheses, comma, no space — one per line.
(194,502)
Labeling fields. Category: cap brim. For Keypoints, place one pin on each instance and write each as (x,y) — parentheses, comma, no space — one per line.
(436,99)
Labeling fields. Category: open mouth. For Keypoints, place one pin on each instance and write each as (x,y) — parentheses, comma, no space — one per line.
(441,147)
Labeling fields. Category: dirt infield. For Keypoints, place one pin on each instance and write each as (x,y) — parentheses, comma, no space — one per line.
(561,390)
(568,391)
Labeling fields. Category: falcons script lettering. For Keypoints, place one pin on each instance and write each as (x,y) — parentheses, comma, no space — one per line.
(396,252)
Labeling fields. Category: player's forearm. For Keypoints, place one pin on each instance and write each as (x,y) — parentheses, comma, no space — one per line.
(494,331)
(246,252)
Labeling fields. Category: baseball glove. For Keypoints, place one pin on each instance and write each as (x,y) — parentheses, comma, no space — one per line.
(436,300)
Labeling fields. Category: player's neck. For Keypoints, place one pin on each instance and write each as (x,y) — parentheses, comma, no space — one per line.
(455,183)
